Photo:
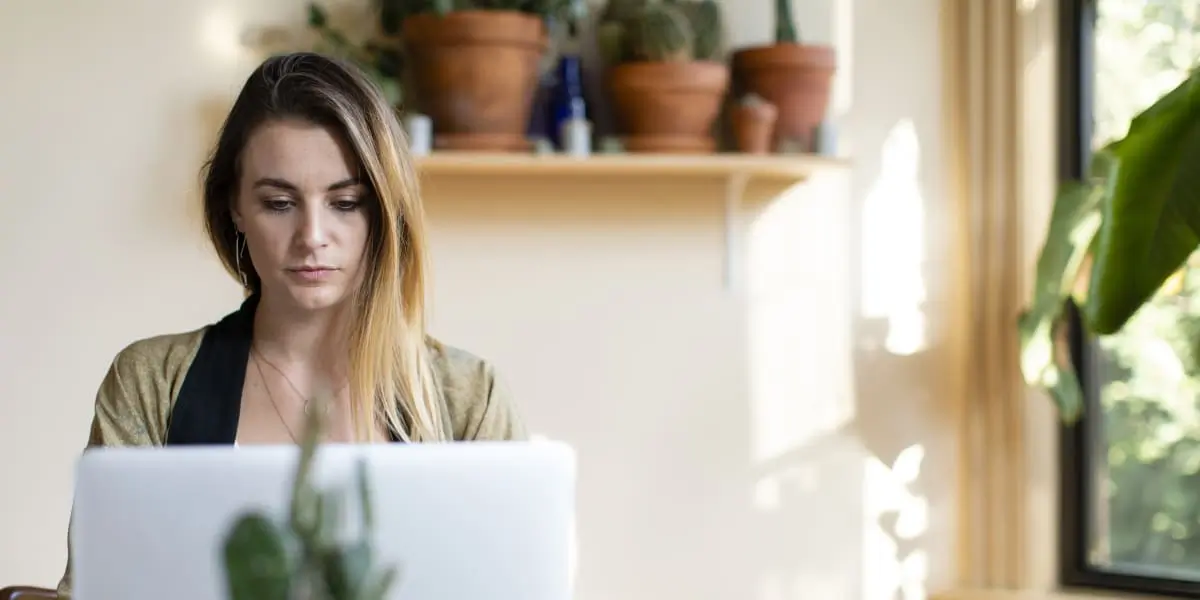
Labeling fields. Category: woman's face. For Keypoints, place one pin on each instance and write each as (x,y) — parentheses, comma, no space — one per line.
(303,212)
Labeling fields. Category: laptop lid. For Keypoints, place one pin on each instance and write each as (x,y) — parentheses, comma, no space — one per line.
(475,520)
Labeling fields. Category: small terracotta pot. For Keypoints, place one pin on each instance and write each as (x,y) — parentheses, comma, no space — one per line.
(474,73)
(753,126)
(668,106)
(795,78)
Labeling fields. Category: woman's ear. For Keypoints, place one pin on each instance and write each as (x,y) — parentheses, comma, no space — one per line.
(236,215)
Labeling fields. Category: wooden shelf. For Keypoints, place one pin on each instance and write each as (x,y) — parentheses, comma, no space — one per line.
(776,167)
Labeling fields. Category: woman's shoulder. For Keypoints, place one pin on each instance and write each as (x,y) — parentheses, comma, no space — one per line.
(455,362)
(465,377)
(478,400)
(164,352)
(136,396)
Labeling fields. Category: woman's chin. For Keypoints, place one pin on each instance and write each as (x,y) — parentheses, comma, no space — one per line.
(316,298)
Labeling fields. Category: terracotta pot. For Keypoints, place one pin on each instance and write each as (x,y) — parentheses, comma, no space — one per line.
(795,78)
(475,74)
(668,106)
(753,126)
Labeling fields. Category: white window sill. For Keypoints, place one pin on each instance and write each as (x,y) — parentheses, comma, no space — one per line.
(1036,595)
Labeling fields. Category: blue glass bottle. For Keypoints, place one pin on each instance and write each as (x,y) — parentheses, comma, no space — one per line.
(566,99)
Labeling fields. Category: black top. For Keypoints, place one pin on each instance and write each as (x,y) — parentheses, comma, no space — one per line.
(210,400)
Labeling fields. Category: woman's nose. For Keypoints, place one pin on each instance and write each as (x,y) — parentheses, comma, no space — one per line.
(313,231)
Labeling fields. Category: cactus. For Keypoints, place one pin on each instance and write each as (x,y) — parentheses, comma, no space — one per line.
(708,31)
(622,10)
(610,41)
(785,25)
(661,33)
(306,559)
(661,30)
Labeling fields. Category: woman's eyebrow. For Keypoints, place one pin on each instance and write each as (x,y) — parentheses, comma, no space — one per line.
(277,182)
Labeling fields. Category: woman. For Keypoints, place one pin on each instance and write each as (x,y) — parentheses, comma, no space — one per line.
(311,200)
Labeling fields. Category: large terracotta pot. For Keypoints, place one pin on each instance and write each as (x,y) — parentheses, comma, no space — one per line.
(475,73)
(668,106)
(795,78)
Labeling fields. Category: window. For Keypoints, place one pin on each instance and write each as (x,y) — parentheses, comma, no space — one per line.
(1131,467)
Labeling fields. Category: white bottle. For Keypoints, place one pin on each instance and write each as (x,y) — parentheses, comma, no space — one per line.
(576,137)
(420,133)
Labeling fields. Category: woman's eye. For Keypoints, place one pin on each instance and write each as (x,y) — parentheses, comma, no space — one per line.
(277,204)
(346,204)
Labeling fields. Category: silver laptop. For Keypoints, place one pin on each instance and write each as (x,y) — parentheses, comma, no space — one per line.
(482,520)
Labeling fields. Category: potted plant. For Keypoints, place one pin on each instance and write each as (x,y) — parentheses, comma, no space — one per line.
(1115,238)
(795,77)
(305,556)
(665,75)
(473,65)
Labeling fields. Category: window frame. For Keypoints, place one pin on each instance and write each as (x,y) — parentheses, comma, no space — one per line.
(1080,443)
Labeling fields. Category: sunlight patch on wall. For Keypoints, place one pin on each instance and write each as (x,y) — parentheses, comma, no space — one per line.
(1027,6)
(220,32)
(893,243)
(895,518)
(842,97)
(800,347)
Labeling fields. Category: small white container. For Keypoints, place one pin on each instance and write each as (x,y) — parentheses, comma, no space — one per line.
(576,137)
(420,134)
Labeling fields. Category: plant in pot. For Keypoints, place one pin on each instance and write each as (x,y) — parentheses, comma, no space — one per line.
(1117,241)
(665,75)
(793,76)
(305,556)
(473,65)
(381,56)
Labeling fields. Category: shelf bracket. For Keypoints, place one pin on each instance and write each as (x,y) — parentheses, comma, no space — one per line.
(735,189)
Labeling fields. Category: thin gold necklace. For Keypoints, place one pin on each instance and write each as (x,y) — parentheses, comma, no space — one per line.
(308,401)
(258,365)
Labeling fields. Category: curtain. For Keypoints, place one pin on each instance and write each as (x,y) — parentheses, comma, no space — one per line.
(999,77)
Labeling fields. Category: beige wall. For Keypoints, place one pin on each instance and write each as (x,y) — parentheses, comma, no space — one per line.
(785,439)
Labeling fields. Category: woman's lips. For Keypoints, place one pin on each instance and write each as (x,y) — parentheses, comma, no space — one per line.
(312,274)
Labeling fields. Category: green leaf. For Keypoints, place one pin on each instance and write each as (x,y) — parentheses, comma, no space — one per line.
(303,514)
(346,569)
(1073,225)
(1151,221)
(316,16)
(364,495)
(256,560)
(376,585)
(330,508)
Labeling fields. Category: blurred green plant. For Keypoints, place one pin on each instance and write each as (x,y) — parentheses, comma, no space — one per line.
(393,12)
(308,557)
(786,31)
(661,30)
(381,56)
(1135,218)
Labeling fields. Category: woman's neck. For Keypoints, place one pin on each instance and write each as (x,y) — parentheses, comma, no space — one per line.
(315,341)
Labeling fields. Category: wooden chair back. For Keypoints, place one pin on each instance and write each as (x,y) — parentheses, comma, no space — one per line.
(25,592)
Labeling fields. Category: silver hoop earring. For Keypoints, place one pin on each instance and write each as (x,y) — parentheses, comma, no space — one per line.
(239,245)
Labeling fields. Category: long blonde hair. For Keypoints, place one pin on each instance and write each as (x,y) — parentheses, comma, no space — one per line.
(391,377)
